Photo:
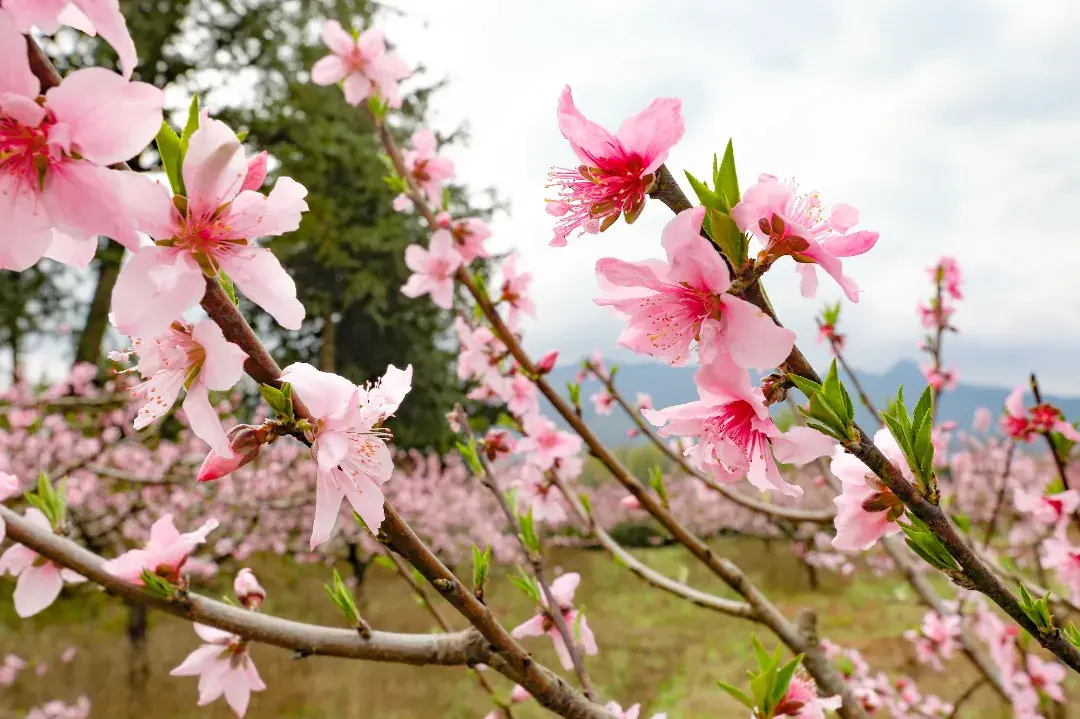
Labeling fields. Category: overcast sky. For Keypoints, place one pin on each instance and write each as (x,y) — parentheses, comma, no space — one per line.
(953,127)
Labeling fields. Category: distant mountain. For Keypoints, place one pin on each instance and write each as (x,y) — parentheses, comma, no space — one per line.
(675,385)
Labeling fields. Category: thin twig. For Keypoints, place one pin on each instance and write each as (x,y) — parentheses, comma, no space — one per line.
(999,503)
(536,561)
(1048,435)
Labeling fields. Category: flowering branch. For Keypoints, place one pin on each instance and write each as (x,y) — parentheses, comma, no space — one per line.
(975,572)
(826,676)
(999,502)
(460,648)
(1059,461)
(536,560)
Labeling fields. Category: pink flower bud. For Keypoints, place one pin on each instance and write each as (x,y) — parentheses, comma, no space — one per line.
(547,362)
(630,502)
(248,590)
(245,441)
(256,172)
(519,694)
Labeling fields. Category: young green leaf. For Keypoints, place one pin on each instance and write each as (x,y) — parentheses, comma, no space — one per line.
(726,180)
(190,126)
(168,147)
(738,694)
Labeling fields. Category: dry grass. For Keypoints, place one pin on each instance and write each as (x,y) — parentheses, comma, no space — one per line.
(654,649)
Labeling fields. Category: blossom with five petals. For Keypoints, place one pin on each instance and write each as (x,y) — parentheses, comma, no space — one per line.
(56,188)
(736,436)
(427,170)
(223,667)
(195,358)
(617,171)
(866,510)
(348,443)
(361,64)
(670,305)
(164,554)
(433,270)
(562,590)
(544,443)
(790,224)
(39,580)
(209,231)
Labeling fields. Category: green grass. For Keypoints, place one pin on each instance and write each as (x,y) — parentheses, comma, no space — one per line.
(654,649)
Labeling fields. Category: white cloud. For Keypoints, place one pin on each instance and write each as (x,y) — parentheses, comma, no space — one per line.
(951,126)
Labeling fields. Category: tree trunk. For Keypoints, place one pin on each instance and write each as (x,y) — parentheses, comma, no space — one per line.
(328,338)
(97,315)
(138,657)
(359,567)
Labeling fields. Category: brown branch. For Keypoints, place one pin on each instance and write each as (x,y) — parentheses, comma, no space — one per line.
(460,648)
(976,572)
(405,572)
(999,503)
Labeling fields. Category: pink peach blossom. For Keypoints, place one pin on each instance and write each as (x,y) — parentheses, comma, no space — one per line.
(736,436)
(644,401)
(937,639)
(212,230)
(1047,677)
(93,17)
(1060,555)
(433,270)
(866,510)
(9,485)
(616,171)
(790,224)
(539,494)
(515,288)
(361,64)
(349,444)
(671,304)
(39,580)
(428,170)
(547,362)
(801,701)
(468,233)
(522,398)
(562,589)
(196,358)
(1049,509)
(248,590)
(981,421)
(603,402)
(224,667)
(1023,425)
(544,443)
(164,555)
(947,272)
(245,443)
(58,192)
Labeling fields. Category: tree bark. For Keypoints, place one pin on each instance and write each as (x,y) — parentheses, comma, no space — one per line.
(97,315)
(138,657)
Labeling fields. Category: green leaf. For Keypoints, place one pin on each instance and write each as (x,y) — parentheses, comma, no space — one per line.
(525,583)
(897,431)
(727,236)
(656,481)
(806,386)
(726,180)
(190,127)
(469,454)
(446,198)
(738,694)
(227,285)
(242,135)
(963,521)
(707,197)
(574,390)
(528,531)
(760,654)
(833,394)
(783,679)
(277,401)
(168,146)
(481,567)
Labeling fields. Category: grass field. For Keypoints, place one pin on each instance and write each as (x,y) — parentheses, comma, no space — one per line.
(654,649)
